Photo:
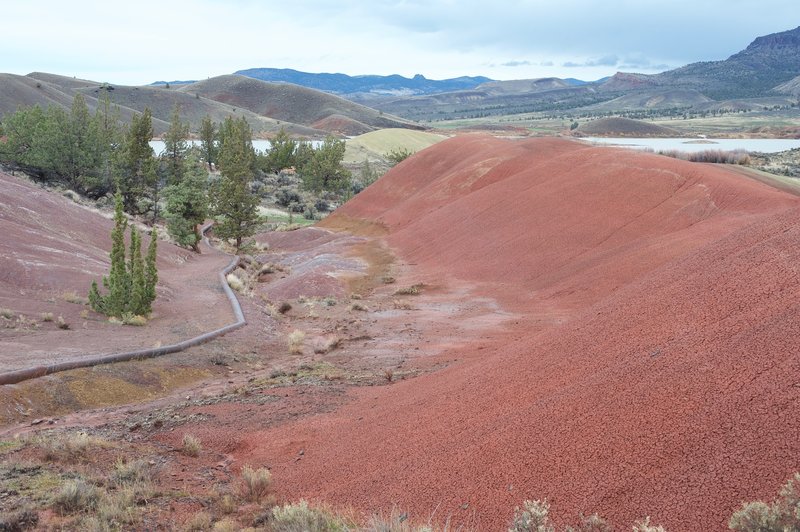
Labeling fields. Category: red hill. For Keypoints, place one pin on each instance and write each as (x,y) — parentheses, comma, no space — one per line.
(651,369)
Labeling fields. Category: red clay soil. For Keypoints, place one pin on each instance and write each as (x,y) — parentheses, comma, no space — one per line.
(50,251)
(652,370)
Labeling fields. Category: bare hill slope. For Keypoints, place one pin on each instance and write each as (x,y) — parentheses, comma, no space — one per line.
(45,89)
(651,369)
(287,102)
(625,127)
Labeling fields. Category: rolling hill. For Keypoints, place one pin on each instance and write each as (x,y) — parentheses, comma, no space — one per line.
(766,67)
(376,144)
(286,102)
(50,89)
(649,366)
(354,86)
(625,127)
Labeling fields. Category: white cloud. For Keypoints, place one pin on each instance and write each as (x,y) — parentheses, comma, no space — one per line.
(148,40)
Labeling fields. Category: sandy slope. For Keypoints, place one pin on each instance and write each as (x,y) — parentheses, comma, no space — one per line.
(653,370)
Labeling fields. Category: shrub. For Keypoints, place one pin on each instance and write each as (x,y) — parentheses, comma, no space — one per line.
(721,157)
(191,445)
(295,342)
(781,515)
(75,495)
(284,307)
(47,316)
(643,525)
(358,306)
(412,290)
(61,323)
(532,517)
(7,313)
(256,482)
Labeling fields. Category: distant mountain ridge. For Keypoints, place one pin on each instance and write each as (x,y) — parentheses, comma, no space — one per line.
(342,84)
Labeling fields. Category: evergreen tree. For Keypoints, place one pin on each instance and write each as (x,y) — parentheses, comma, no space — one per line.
(130,284)
(208,141)
(324,172)
(234,204)
(150,273)
(281,153)
(176,146)
(187,205)
(139,290)
(135,164)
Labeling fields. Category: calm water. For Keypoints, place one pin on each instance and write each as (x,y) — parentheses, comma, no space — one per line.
(689,144)
(259,145)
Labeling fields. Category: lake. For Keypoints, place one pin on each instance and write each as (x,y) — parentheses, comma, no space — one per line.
(259,145)
(690,144)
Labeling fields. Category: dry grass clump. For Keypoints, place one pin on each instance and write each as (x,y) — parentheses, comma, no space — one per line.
(128,318)
(295,341)
(326,345)
(710,156)
(61,324)
(199,521)
(358,306)
(74,496)
(534,517)
(7,313)
(299,516)
(191,445)
(720,157)
(227,504)
(256,483)
(643,525)
(235,282)
(47,316)
(72,297)
(23,519)
(413,290)
(66,447)
(131,472)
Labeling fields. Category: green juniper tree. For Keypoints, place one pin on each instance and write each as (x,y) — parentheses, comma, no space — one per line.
(324,172)
(208,141)
(234,204)
(187,205)
(131,283)
(176,146)
(135,164)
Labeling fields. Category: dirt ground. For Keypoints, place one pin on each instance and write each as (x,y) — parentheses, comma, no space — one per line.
(493,321)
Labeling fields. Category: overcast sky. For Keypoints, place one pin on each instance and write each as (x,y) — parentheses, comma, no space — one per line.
(138,42)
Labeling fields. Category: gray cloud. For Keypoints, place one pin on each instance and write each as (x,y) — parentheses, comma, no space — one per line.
(515,63)
(438,38)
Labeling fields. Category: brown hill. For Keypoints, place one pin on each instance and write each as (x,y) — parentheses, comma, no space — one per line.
(650,367)
(50,89)
(625,127)
(287,102)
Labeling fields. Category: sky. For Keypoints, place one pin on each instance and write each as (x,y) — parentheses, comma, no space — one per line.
(139,42)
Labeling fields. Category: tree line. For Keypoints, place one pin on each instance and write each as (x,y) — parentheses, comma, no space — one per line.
(96,155)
